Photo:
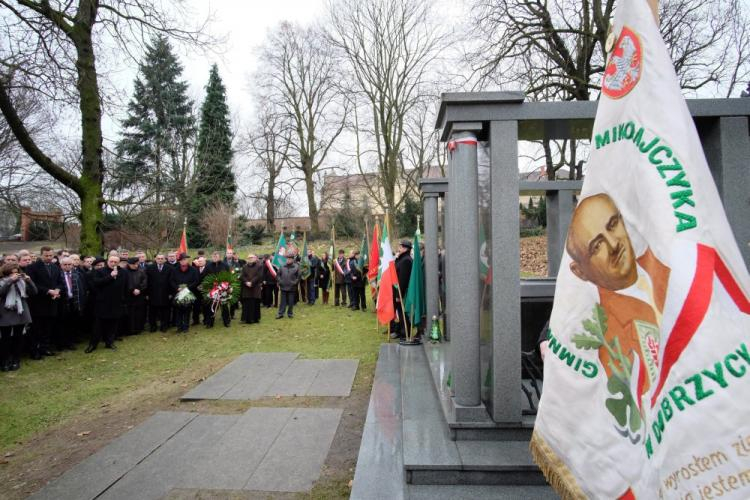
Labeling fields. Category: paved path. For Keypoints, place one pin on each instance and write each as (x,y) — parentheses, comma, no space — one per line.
(263,449)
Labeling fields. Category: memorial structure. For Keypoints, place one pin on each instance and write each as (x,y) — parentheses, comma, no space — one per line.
(473,424)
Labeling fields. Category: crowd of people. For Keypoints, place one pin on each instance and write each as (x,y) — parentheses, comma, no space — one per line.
(54,300)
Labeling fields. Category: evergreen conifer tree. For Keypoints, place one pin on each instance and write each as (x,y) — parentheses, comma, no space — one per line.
(214,179)
(154,153)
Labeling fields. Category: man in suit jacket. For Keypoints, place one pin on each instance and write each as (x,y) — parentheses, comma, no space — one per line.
(159,293)
(72,304)
(111,285)
(45,304)
(200,265)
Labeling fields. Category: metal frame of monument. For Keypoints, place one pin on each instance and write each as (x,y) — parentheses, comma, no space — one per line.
(503,119)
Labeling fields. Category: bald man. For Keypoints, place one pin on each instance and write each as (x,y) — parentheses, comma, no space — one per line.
(631,290)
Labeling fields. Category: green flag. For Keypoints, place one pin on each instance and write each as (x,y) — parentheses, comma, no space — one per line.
(364,257)
(414,302)
(279,255)
(304,265)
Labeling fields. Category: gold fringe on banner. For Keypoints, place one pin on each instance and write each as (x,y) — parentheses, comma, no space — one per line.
(555,471)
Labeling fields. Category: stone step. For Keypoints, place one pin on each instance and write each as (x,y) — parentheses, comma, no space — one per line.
(380,465)
(432,457)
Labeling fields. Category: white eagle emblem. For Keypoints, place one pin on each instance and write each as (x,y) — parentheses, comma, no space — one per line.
(624,67)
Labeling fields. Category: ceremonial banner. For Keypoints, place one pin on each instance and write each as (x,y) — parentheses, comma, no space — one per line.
(279,255)
(183,242)
(414,302)
(647,373)
(304,265)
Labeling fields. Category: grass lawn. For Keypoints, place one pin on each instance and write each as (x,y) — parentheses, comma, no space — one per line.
(47,393)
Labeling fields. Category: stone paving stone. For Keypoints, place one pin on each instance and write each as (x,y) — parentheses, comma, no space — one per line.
(91,477)
(229,462)
(380,465)
(261,375)
(335,378)
(296,457)
(171,464)
(297,378)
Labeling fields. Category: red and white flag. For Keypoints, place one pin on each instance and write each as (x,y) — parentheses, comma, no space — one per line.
(388,279)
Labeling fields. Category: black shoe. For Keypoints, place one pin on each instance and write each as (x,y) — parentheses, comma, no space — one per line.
(90,349)
(280,316)
(36,355)
(194,323)
(364,309)
(47,352)
(290,316)
(394,335)
(15,365)
(4,367)
(111,346)
(226,325)
(163,330)
(153,329)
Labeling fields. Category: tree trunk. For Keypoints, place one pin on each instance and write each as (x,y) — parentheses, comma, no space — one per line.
(270,204)
(91,132)
(311,205)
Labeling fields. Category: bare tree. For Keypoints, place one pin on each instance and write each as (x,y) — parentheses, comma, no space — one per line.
(52,48)
(556,51)
(300,77)
(269,144)
(388,47)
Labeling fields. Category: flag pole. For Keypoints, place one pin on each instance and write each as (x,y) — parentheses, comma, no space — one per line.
(654,4)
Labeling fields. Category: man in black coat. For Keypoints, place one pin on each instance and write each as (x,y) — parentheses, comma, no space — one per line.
(44,305)
(357,300)
(232,261)
(324,277)
(185,275)
(135,298)
(110,285)
(403,271)
(215,266)
(159,293)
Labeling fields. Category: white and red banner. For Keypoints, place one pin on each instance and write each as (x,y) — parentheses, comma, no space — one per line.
(647,372)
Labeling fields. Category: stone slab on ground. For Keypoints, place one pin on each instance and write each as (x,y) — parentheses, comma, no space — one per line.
(294,461)
(257,375)
(94,475)
(246,368)
(269,449)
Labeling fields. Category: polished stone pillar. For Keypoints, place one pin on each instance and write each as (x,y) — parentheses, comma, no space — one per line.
(431,271)
(506,274)
(464,292)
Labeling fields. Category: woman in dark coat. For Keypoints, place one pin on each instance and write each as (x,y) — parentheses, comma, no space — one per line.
(324,276)
(251,280)
(15,289)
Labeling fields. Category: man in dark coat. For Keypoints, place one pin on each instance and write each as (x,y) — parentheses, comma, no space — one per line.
(312,280)
(111,285)
(403,271)
(351,264)
(339,290)
(234,262)
(324,277)
(45,304)
(252,281)
(270,291)
(135,299)
(184,276)
(159,293)
(358,284)
(216,265)
(288,278)
(200,266)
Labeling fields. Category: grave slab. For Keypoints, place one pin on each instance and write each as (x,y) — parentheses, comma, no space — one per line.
(296,457)
(94,475)
(297,379)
